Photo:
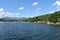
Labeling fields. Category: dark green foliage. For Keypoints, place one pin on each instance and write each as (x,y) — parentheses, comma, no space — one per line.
(54,17)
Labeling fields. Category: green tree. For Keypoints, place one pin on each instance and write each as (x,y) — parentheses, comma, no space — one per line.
(53,17)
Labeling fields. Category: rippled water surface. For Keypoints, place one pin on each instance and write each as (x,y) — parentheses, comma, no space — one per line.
(28,31)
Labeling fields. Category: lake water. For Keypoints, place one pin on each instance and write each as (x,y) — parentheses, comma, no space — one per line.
(28,31)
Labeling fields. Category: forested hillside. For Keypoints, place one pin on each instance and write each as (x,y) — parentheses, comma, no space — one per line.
(52,17)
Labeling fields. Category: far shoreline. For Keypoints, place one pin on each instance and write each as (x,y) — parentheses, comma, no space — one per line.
(49,23)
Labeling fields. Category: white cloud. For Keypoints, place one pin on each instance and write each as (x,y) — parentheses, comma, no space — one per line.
(8,14)
(21,8)
(1,9)
(35,3)
(57,3)
(38,11)
(51,11)
(54,11)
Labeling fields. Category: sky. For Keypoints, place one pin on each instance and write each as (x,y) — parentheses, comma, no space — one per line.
(28,8)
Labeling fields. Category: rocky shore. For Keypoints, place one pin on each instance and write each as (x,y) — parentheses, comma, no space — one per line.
(58,23)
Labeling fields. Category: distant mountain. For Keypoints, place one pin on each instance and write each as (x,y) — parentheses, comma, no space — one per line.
(13,18)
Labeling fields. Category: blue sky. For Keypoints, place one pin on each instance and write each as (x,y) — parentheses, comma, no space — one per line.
(27,8)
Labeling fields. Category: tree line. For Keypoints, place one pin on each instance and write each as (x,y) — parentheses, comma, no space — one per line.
(53,17)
